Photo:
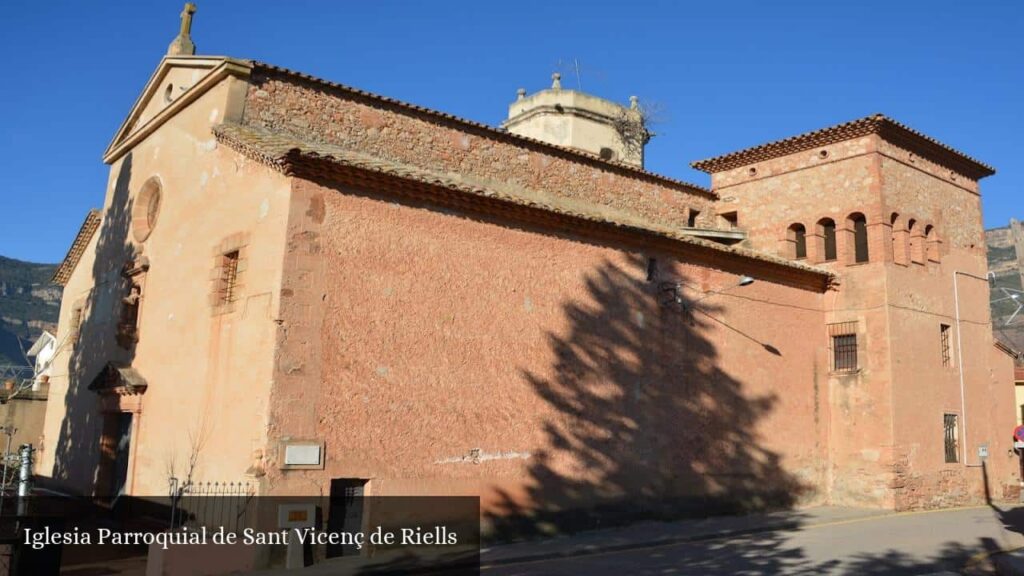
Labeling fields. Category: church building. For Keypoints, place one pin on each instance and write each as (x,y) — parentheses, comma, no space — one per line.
(311,288)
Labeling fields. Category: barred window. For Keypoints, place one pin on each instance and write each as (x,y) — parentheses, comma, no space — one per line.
(228,277)
(844,346)
(947,358)
(951,436)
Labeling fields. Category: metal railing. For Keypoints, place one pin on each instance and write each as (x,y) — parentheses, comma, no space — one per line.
(211,504)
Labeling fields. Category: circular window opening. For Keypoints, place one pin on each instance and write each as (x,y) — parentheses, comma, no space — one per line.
(752,171)
(607,154)
(823,154)
(169,93)
(146,209)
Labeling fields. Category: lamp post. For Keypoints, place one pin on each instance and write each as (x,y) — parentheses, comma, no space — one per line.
(675,287)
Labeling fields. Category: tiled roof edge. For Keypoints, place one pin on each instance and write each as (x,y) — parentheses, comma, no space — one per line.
(492,131)
(287,151)
(875,124)
(85,233)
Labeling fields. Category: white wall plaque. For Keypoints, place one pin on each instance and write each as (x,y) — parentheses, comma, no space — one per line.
(302,455)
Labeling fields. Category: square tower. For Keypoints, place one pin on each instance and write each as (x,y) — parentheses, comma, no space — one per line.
(907,356)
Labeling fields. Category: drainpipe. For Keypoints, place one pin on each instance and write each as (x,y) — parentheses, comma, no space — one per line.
(960,359)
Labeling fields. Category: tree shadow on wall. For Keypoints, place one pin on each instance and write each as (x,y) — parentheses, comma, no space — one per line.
(644,422)
(78,450)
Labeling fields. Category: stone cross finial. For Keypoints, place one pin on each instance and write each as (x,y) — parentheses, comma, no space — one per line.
(556,81)
(634,103)
(182,44)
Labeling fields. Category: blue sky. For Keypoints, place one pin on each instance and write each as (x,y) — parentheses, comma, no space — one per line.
(726,74)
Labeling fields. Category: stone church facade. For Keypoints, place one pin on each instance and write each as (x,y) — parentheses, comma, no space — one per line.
(304,285)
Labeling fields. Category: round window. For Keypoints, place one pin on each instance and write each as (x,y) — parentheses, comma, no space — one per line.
(146,209)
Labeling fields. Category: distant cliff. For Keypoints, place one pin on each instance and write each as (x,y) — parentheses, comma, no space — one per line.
(1006,266)
(29,304)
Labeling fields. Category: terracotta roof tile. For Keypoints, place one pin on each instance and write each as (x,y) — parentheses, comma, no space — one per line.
(884,126)
(284,152)
(490,130)
(85,233)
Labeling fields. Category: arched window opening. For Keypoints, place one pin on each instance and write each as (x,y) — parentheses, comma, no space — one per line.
(798,239)
(916,248)
(827,229)
(931,243)
(859,224)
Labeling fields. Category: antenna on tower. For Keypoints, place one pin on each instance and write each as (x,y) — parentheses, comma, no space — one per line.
(573,68)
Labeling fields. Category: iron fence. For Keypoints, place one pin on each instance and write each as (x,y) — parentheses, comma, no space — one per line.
(211,504)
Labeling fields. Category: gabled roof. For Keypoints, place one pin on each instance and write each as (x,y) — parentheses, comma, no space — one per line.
(319,161)
(882,125)
(85,233)
(213,68)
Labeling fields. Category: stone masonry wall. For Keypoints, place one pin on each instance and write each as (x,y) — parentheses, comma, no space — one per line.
(887,438)
(317,112)
(453,354)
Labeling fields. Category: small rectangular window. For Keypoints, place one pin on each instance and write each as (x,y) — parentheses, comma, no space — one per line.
(652,269)
(228,277)
(691,221)
(730,220)
(947,358)
(844,346)
(951,436)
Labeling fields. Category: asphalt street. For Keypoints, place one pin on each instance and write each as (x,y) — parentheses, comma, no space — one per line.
(912,543)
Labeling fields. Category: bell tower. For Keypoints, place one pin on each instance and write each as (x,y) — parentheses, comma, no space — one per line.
(579,120)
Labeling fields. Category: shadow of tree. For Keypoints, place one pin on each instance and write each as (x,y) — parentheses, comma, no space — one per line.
(764,553)
(645,423)
(78,450)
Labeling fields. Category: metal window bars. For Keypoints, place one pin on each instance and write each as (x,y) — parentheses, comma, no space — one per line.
(950,437)
(843,337)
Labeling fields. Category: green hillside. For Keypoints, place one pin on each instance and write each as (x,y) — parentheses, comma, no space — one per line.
(29,304)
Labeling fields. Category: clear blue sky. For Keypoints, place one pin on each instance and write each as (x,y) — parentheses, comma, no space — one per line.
(727,74)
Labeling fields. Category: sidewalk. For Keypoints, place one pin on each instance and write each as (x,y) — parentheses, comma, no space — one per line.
(654,534)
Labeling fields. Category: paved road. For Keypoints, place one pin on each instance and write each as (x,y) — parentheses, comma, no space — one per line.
(913,543)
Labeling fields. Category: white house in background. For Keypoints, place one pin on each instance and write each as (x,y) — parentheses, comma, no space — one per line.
(42,352)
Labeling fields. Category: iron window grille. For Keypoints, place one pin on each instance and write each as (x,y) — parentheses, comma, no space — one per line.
(947,357)
(951,436)
(229,277)
(844,346)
